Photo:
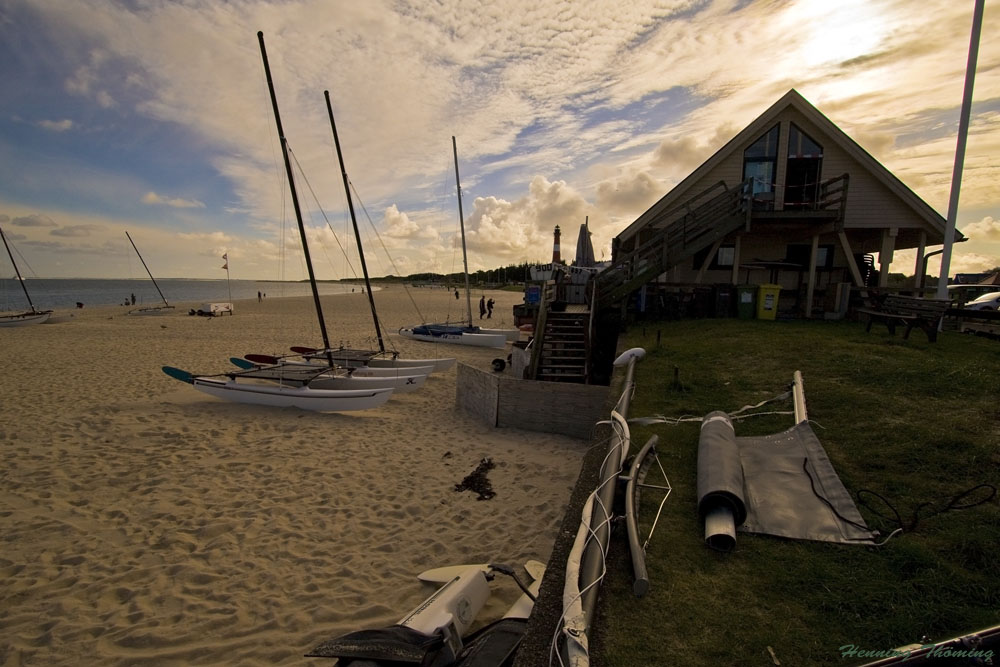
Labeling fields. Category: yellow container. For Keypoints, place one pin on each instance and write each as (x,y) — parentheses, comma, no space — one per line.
(767,301)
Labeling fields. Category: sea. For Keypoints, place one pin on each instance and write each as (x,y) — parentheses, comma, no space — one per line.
(58,293)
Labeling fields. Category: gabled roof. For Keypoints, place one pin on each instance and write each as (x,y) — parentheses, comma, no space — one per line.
(745,137)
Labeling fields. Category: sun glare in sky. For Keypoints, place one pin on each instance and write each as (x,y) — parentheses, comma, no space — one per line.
(827,38)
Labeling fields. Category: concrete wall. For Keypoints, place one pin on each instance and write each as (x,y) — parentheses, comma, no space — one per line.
(549,407)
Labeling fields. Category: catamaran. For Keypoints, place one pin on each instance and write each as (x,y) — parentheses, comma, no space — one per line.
(283,395)
(465,333)
(322,376)
(166,308)
(319,388)
(33,316)
(356,358)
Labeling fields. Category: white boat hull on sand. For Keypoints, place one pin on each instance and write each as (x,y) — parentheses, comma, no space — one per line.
(509,334)
(458,338)
(438,365)
(284,396)
(360,371)
(24,319)
(155,310)
(300,373)
(374,359)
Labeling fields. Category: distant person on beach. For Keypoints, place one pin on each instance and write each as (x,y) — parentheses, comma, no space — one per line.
(456,294)
(258,296)
(482,307)
(489,309)
(133,299)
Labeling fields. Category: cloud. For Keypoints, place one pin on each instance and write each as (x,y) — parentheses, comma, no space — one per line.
(629,195)
(399,225)
(175,202)
(523,228)
(987,229)
(680,154)
(56,125)
(34,220)
(76,230)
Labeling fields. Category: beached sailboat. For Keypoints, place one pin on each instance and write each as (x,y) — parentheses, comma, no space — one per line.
(280,395)
(322,376)
(33,316)
(166,308)
(281,385)
(465,333)
(355,358)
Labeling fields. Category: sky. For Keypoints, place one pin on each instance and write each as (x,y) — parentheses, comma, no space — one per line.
(153,117)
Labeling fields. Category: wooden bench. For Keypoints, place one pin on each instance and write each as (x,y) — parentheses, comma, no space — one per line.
(893,309)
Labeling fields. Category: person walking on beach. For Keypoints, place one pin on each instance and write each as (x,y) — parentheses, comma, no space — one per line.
(456,294)
(489,309)
(482,307)
(258,296)
(133,299)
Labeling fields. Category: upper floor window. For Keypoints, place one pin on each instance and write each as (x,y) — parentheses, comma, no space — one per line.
(760,161)
(803,169)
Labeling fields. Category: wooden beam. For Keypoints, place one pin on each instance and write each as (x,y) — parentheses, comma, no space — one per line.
(885,255)
(735,277)
(811,285)
(851,264)
(708,260)
(918,268)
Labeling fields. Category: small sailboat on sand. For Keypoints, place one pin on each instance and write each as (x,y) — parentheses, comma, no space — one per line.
(356,358)
(320,387)
(166,308)
(33,316)
(465,333)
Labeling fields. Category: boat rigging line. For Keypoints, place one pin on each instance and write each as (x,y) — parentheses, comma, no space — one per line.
(295,198)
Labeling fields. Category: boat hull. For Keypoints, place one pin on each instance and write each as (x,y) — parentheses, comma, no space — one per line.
(25,319)
(374,359)
(451,334)
(285,396)
(157,310)
(437,365)
(299,374)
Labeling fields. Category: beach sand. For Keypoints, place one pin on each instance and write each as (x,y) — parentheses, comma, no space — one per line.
(144,522)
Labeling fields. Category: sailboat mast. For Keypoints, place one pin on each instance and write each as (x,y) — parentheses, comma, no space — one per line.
(354,222)
(147,269)
(461,223)
(295,199)
(17,271)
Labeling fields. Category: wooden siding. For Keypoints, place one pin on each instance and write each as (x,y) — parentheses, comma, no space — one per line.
(877,200)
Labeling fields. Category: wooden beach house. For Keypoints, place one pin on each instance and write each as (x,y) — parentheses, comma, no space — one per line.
(791,200)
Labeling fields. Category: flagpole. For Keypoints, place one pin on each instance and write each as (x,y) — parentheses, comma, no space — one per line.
(229,287)
(963,133)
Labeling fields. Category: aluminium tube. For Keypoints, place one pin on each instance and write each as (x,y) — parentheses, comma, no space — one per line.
(593,556)
(641,584)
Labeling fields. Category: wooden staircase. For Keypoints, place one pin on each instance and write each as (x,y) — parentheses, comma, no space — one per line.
(563,353)
(686,231)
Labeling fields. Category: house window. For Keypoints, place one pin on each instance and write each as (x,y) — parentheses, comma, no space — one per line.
(723,259)
(803,169)
(760,162)
(798,253)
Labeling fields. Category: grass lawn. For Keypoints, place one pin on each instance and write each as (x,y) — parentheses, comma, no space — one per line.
(916,422)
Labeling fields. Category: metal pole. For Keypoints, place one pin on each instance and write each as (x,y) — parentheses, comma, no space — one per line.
(461,222)
(354,222)
(295,199)
(963,133)
(147,269)
(593,557)
(18,271)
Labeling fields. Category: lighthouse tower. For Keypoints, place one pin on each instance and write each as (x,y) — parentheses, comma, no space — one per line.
(555,248)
